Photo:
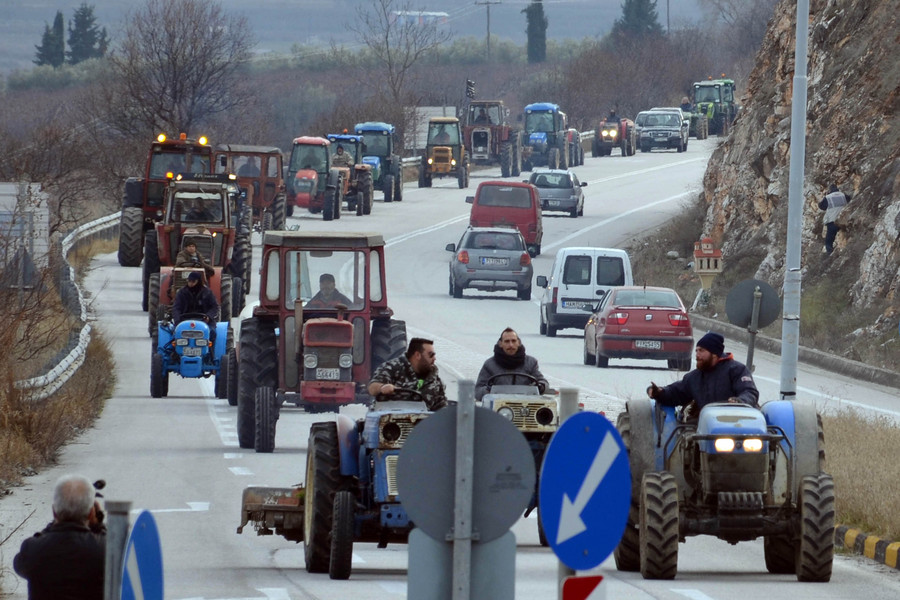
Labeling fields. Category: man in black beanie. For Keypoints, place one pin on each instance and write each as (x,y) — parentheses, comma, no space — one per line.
(717,378)
(508,360)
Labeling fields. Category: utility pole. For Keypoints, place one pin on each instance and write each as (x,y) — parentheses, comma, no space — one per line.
(488,3)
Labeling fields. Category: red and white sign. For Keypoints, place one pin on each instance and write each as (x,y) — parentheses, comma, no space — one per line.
(584,588)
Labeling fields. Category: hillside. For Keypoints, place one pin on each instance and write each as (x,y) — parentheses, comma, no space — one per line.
(852,140)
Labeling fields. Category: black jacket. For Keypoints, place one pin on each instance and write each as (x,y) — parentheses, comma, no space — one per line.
(202,301)
(500,364)
(728,379)
(65,561)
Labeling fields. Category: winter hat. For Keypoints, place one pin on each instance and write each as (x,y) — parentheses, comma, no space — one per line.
(833,189)
(713,342)
(195,276)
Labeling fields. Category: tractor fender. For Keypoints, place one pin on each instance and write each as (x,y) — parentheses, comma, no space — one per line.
(134,193)
(643,441)
(221,340)
(799,421)
(333,179)
(348,443)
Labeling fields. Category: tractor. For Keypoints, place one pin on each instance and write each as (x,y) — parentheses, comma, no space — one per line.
(298,349)
(351,491)
(534,414)
(207,210)
(260,174)
(143,201)
(715,99)
(445,153)
(490,139)
(614,133)
(189,350)
(378,151)
(545,140)
(358,190)
(311,162)
(736,472)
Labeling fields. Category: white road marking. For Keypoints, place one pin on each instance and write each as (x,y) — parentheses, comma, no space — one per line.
(692,594)
(240,471)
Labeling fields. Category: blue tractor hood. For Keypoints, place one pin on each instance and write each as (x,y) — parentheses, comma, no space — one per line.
(538,137)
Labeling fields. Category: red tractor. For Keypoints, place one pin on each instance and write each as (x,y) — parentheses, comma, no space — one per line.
(313,154)
(202,209)
(142,203)
(614,133)
(260,174)
(321,328)
(490,139)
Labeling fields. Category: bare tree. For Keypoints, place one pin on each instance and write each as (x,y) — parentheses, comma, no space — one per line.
(178,66)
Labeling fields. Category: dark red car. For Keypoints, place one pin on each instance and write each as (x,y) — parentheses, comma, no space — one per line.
(640,322)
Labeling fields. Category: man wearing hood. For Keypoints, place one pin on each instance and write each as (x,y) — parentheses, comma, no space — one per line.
(195,297)
(508,360)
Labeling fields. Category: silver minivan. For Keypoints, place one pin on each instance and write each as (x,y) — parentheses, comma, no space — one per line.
(579,278)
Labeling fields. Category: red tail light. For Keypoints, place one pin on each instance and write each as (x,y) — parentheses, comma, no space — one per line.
(463,257)
(555,292)
(679,320)
(618,318)
(525,259)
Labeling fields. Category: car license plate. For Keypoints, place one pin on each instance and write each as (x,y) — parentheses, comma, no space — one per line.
(576,304)
(328,373)
(497,262)
(648,344)
(552,202)
(193,351)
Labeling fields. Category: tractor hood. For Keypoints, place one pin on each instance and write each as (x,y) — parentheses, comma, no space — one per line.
(538,137)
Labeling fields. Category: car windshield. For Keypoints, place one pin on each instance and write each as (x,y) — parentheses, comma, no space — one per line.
(658,298)
(307,156)
(494,241)
(496,195)
(552,180)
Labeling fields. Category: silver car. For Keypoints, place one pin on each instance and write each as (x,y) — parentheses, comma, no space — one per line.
(491,259)
(559,190)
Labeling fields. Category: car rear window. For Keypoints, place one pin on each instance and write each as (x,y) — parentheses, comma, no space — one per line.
(610,271)
(552,180)
(646,298)
(495,195)
(494,241)
(577,270)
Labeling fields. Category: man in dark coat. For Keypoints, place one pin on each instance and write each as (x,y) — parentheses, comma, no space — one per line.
(509,358)
(191,257)
(66,560)
(414,370)
(717,378)
(195,297)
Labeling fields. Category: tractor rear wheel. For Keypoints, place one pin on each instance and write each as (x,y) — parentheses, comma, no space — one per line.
(462,177)
(339,200)
(368,195)
(131,236)
(266,419)
(221,385)
(398,186)
(258,367)
(328,204)
(237,297)
(279,213)
(388,341)
(226,294)
(323,479)
(342,535)
(153,304)
(553,158)
(388,187)
(816,551)
(628,553)
(242,261)
(159,381)
(506,160)
(231,382)
(151,263)
(659,525)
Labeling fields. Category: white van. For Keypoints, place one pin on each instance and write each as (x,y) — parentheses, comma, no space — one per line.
(580,277)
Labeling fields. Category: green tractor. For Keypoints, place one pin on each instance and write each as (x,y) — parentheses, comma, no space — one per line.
(715,99)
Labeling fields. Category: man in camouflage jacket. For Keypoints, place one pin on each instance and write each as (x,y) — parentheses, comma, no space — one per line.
(415,370)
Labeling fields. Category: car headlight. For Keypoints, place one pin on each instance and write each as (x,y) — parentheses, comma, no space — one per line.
(346,361)
(310,361)
(752,445)
(506,412)
(724,445)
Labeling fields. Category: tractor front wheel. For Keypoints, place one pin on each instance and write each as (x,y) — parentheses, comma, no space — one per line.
(266,419)
(816,552)
(131,236)
(221,385)
(153,304)
(323,476)
(159,380)
(388,187)
(342,536)
(232,379)
(258,367)
(659,525)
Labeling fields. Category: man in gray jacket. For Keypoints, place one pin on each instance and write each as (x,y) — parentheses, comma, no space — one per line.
(508,360)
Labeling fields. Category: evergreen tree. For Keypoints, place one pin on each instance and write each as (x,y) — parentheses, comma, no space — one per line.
(536,30)
(52,50)
(639,19)
(86,39)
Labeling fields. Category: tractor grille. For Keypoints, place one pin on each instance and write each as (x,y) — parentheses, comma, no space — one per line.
(404,422)
(525,415)
(390,467)
(740,501)
(442,155)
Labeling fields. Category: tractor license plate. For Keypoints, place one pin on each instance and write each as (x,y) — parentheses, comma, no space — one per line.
(648,344)
(328,374)
(193,351)
(491,261)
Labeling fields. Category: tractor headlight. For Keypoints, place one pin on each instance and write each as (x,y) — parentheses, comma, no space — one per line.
(310,361)
(391,432)
(752,445)
(346,361)
(612,133)
(430,160)
(182,342)
(724,445)
(506,412)
(453,162)
(544,416)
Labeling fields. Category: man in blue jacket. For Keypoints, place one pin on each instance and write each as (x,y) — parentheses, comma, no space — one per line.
(717,378)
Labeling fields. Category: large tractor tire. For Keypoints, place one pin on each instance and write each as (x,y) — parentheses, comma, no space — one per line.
(231,382)
(279,213)
(339,200)
(553,158)
(238,296)
(131,236)
(506,160)
(159,381)
(226,293)
(517,160)
(659,525)
(388,341)
(341,563)
(564,158)
(780,554)
(151,263)
(816,552)
(242,261)
(266,419)
(328,204)
(323,479)
(258,367)
(153,305)
(221,384)
(635,426)
(388,187)
(364,205)
(595,148)
(398,184)
(462,176)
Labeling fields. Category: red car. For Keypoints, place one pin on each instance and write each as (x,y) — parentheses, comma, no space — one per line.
(640,322)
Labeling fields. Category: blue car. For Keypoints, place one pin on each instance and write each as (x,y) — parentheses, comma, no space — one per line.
(186,349)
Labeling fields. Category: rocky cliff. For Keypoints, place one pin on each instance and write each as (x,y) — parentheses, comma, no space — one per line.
(852,140)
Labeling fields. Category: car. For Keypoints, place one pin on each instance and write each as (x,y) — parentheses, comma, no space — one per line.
(505,203)
(491,259)
(640,322)
(665,128)
(559,190)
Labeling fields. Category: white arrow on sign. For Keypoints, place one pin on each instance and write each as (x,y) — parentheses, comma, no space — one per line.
(570,523)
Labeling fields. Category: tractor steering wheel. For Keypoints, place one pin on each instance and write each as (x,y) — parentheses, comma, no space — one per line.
(532,378)
(401,391)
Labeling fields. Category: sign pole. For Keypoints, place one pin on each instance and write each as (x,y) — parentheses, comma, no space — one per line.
(465,470)
(116,539)
(568,406)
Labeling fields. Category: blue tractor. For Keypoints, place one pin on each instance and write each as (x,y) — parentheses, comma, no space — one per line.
(387,169)
(545,141)
(738,473)
(185,349)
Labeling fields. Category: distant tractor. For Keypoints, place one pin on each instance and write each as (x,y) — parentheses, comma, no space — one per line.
(142,203)
(445,154)
(299,348)
(715,99)
(313,155)
(545,140)
(260,173)
(614,133)
(358,190)
(379,152)
(490,138)
(576,147)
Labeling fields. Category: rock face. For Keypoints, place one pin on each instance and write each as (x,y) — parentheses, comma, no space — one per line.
(853,140)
